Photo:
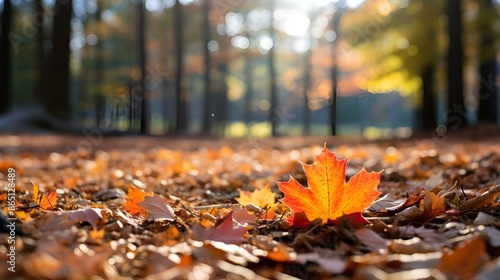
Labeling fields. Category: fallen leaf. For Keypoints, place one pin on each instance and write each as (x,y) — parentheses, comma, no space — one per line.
(492,234)
(389,205)
(371,239)
(243,217)
(96,234)
(384,202)
(372,272)
(157,259)
(263,198)
(490,271)
(237,272)
(66,219)
(399,261)
(45,202)
(484,219)
(332,264)
(482,200)
(466,260)
(281,253)
(409,214)
(210,252)
(51,260)
(198,271)
(426,234)
(411,246)
(223,231)
(432,205)
(134,197)
(328,197)
(157,208)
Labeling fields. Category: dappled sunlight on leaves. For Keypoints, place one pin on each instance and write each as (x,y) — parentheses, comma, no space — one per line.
(169,211)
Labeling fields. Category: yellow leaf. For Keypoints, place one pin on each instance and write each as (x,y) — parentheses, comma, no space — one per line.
(263,198)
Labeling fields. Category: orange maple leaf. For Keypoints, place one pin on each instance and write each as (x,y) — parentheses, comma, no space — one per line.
(328,196)
(134,197)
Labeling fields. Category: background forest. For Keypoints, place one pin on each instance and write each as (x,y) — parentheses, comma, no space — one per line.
(252,68)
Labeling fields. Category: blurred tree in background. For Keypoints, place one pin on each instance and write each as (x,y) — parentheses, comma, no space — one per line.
(253,68)
(5,55)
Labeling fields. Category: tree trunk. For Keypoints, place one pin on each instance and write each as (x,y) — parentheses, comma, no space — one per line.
(181,105)
(456,106)
(41,63)
(334,71)
(249,67)
(306,129)
(98,71)
(428,118)
(222,99)
(488,94)
(206,77)
(5,55)
(58,97)
(273,92)
(141,30)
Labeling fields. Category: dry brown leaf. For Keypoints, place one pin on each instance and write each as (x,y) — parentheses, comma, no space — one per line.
(332,264)
(409,214)
(53,221)
(432,206)
(223,231)
(466,260)
(480,201)
(157,208)
(426,234)
(243,217)
(412,246)
(371,239)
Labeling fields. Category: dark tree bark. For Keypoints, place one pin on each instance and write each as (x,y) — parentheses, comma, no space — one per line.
(58,103)
(41,61)
(5,55)
(488,94)
(58,100)
(456,106)
(181,105)
(428,118)
(141,33)
(206,75)
(273,91)
(334,71)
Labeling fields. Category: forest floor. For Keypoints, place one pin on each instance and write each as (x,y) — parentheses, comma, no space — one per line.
(93,207)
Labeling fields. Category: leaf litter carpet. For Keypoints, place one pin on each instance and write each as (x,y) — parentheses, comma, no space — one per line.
(156,208)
